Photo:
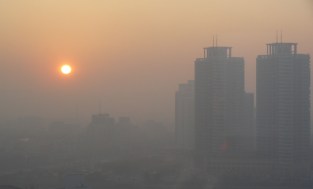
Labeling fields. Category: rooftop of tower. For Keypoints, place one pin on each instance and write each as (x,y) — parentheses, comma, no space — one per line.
(281,48)
(217,51)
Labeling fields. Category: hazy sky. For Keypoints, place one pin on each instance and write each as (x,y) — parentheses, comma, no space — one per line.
(130,55)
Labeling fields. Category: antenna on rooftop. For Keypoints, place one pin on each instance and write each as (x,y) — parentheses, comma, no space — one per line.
(281,36)
(76,113)
(276,36)
(100,107)
(216,41)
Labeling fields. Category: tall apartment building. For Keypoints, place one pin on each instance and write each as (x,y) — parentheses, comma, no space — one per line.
(219,104)
(283,108)
(184,116)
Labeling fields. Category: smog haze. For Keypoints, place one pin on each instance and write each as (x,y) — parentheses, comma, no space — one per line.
(128,56)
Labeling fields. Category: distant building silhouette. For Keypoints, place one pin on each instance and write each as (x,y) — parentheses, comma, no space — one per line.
(102,119)
(283,108)
(184,116)
(124,121)
(220,105)
(101,134)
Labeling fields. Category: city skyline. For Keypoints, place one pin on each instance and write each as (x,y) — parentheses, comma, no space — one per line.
(156,94)
(118,48)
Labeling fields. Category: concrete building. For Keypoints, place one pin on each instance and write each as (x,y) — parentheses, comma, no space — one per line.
(184,116)
(283,109)
(220,105)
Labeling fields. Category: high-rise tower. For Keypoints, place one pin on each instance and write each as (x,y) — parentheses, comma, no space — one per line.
(283,108)
(219,103)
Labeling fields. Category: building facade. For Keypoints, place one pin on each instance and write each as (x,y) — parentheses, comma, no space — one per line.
(283,108)
(184,116)
(219,104)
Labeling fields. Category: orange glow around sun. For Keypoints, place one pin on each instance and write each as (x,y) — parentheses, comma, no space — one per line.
(66,69)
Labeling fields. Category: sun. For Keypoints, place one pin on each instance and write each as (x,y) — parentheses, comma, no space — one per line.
(66,69)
